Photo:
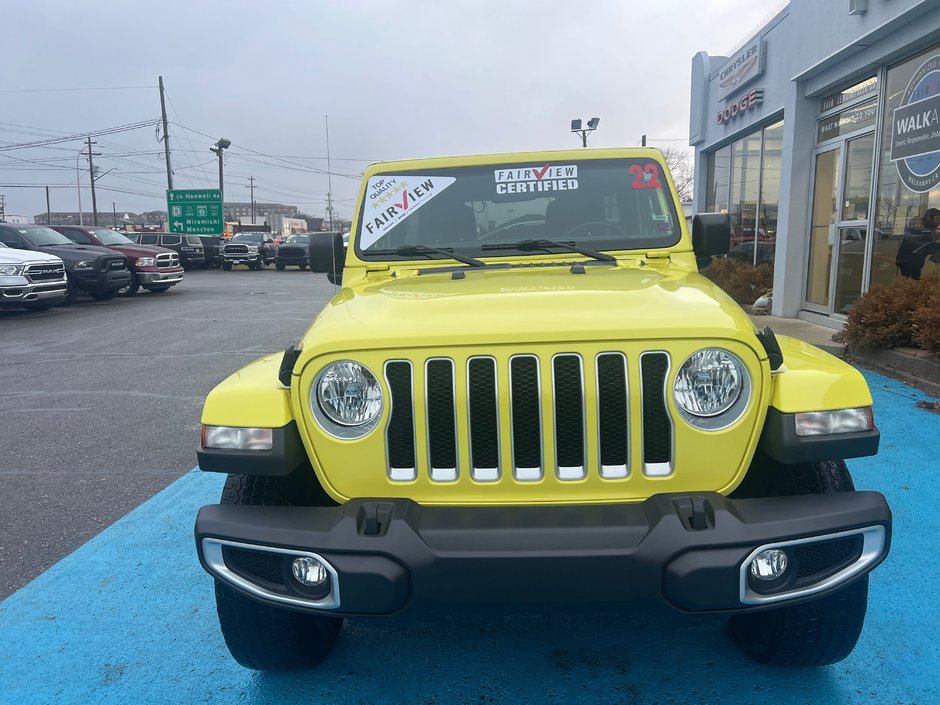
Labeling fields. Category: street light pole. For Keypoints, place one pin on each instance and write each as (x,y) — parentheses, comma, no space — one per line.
(583,131)
(91,174)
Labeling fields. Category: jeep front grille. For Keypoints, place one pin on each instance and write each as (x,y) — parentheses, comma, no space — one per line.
(575,409)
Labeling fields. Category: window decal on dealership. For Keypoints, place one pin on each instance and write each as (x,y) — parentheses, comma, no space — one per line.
(532,179)
(915,129)
(391,199)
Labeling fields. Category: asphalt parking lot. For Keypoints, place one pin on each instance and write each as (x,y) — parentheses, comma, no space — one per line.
(100,401)
(129,616)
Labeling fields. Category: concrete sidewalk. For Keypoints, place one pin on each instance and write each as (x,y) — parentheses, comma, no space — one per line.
(814,334)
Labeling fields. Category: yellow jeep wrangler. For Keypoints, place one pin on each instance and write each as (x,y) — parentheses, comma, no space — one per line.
(524,396)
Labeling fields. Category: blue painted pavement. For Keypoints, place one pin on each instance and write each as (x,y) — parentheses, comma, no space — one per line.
(129,618)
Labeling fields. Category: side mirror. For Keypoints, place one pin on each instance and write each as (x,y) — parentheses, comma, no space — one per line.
(327,256)
(711,234)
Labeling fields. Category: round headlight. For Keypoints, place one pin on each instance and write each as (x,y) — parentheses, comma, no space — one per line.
(711,382)
(348,396)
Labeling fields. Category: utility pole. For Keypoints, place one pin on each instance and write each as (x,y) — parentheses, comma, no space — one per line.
(643,141)
(48,209)
(91,174)
(251,182)
(114,211)
(329,174)
(78,187)
(166,138)
(3,207)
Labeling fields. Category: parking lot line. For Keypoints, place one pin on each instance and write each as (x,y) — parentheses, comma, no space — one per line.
(129,617)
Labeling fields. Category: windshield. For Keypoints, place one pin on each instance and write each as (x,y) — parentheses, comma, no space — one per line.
(301,239)
(248,237)
(603,204)
(193,240)
(109,237)
(39,236)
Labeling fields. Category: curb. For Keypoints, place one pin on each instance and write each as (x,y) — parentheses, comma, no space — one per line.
(916,368)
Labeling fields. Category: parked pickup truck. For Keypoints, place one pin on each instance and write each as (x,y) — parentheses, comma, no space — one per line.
(525,396)
(293,252)
(96,270)
(254,249)
(31,280)
(155,269)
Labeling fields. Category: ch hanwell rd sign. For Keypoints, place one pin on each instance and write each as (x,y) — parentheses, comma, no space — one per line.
(195,211)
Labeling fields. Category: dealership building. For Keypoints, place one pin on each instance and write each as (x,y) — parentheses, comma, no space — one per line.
(820,137)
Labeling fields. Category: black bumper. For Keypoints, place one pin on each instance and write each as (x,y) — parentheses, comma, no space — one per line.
(101,281)
(394,556)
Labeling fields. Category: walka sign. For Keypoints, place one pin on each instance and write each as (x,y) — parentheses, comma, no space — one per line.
(915,129)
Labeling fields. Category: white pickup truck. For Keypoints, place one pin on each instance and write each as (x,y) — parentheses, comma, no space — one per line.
(32,280)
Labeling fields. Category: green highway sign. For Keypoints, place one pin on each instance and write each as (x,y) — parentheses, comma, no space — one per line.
(195,211)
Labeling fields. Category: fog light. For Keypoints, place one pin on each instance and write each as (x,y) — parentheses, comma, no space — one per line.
(769,565)
(309,571)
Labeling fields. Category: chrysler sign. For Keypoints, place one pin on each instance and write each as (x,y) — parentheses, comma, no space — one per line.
(741,69)
(915,129)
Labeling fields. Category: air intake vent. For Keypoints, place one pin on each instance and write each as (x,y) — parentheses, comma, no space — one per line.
(484,418)
(400,437)
(526,417)
(612,415)
(568,390)
(442,420)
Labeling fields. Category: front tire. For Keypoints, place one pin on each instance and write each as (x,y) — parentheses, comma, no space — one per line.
(226,266)
(816,633)
(131,288)
(258,635)
(280,267)
(103,295)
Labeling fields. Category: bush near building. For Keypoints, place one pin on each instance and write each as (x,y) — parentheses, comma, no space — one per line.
(905,313)
(742,281)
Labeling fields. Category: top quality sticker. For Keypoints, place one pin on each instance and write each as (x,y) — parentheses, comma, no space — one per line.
(393,198)
(537,179)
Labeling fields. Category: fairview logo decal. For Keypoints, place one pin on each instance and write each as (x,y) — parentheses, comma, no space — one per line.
(537,179)
(390,199)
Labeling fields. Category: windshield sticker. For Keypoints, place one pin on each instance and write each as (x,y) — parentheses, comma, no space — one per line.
(531,179)
(645,177)
(391,199)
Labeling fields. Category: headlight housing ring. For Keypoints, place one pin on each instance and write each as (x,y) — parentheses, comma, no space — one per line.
(712,389)
(347,400)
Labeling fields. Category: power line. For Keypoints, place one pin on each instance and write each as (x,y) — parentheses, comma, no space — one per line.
(82,136)
(59,90)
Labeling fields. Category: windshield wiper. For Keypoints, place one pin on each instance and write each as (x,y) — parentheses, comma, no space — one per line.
(417,250)
(529,245)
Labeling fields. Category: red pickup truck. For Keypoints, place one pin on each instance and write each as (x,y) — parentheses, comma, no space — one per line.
(153,268)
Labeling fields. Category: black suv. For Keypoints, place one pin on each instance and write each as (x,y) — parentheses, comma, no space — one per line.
(212,249)
(96,270)
(293,252)
(188,247)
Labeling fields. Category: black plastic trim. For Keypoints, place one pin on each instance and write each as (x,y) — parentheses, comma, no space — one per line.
(287,364)
(780,442)
(677,550)
(771,347)
(286,455)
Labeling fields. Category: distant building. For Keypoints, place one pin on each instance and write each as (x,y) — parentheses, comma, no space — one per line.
(15,219)
(234,210)
(72,218)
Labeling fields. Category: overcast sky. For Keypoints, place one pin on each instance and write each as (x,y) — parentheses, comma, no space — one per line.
(398,79)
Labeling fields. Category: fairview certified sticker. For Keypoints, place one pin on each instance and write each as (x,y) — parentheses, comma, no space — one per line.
(390,199)
(533,179)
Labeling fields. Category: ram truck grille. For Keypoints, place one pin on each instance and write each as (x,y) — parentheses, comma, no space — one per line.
(45,272)
(167,260)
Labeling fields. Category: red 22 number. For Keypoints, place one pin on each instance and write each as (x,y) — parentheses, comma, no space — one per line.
(647,177)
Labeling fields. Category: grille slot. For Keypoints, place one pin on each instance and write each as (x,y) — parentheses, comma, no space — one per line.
(525,400)
(165,260)
(613,423)
(483,412)
(441,418)
(657,426)
(568,388)
(399,436)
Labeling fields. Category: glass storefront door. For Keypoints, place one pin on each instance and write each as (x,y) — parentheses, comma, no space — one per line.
(839,225)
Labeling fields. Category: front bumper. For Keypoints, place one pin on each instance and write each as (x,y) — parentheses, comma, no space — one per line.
(101,281)
(160,277)
(390,556)
(22,291)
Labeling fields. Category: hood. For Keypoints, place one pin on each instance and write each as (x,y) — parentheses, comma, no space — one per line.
(8,255)
(135,251)
(77,252)
(541,304)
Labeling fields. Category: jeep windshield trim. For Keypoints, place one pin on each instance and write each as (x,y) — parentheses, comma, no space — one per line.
(612,204)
